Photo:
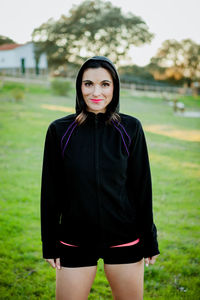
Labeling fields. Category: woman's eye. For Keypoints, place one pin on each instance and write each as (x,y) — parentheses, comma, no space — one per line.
(87,83)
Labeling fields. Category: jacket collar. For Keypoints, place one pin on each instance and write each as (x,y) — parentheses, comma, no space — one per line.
(99,116)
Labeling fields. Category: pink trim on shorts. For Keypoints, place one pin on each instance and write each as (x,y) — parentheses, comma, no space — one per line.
(68,244)
(121,245)
(127,244)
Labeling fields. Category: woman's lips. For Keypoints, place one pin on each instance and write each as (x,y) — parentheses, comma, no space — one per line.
(96,100)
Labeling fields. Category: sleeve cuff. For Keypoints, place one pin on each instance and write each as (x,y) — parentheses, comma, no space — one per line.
(151,243)
(50,249)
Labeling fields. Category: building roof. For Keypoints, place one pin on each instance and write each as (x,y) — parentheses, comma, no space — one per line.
(9,46)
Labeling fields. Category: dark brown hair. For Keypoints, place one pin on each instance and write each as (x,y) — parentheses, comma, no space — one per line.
(111,112)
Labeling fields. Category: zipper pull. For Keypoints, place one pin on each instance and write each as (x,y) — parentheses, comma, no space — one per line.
(96,120)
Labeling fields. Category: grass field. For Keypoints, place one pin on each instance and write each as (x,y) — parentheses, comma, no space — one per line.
(174,150)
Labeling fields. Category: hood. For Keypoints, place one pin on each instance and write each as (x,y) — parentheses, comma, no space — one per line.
(113,106)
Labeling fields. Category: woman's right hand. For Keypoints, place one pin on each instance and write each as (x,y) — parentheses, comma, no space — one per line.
(54,262)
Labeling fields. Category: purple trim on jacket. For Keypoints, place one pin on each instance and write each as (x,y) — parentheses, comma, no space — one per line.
(67,131)
(125,132)
(68,138)
(121,136)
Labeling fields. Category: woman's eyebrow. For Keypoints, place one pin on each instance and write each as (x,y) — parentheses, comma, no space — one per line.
(106,80)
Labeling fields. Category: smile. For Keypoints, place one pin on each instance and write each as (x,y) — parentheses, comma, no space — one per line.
(96,100)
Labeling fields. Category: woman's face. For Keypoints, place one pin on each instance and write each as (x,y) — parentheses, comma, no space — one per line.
(97,89)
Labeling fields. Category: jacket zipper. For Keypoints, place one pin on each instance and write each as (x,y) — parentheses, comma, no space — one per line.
(100,238)
(96,151)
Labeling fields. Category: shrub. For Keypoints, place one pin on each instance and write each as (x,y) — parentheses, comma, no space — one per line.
(10,86)
(60,87)
(18,94)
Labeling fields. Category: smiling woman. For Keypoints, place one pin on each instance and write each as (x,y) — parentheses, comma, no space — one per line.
(97,88)
(97,93)
(96,199)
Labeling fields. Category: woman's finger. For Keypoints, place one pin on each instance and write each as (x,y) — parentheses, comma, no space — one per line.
(58,263)
(153,259)
(51,262)
(146,261)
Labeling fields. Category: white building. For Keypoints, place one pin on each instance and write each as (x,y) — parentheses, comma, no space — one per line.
(16,59)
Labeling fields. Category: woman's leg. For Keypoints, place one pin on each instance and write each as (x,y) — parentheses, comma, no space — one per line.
(126,280)
(74,283)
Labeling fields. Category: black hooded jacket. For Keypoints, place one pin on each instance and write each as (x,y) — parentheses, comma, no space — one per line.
(96,183)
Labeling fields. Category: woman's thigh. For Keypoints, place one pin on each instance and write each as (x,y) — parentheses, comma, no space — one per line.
(126,280)
(74,283)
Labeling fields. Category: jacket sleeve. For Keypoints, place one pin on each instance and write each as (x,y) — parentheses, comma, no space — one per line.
(50,195)
(140,186)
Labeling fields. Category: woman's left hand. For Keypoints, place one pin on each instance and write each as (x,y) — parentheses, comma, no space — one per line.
(150,260)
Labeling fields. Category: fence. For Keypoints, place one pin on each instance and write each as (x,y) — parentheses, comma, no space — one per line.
(150,89)
(157,88)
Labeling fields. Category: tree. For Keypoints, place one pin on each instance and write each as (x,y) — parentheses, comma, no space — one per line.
(91,28)
(178,60)
(135,74)
(5,40)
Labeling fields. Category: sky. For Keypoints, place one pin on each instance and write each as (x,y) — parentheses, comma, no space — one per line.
(167,19)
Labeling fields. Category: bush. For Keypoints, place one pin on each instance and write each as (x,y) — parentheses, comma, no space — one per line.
(18,94)
(10,86)
(60,87)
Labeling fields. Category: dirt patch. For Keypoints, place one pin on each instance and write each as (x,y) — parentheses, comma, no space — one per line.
(181,134)
(58,108)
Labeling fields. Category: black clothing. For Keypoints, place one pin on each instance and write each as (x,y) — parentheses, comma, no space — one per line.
(75,257)
(96,182)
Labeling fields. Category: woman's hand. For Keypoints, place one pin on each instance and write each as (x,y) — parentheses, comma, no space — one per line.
(54,262)
(150,260)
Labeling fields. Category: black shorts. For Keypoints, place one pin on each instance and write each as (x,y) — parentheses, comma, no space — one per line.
(72,256)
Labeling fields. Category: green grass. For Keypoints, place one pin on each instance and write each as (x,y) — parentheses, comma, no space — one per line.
(176,189)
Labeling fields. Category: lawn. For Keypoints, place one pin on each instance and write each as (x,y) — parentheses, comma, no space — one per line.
(174,150)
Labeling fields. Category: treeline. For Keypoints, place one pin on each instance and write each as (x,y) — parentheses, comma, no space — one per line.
(174,63)
(100,28)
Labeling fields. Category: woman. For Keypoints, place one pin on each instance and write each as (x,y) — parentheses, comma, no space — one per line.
(96,197)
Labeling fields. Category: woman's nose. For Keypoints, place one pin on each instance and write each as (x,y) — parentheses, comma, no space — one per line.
(97,90)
